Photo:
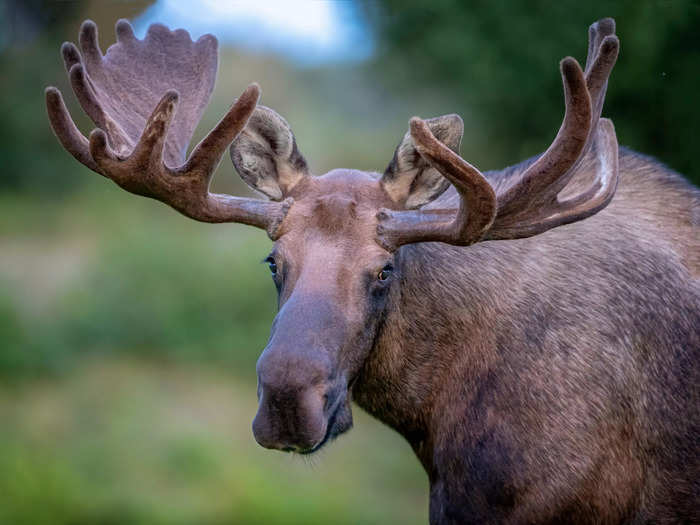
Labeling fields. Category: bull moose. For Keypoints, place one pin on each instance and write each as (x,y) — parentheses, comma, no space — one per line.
(534,332)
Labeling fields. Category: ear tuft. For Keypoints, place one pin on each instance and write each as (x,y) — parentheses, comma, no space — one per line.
(266,156)
(409,180)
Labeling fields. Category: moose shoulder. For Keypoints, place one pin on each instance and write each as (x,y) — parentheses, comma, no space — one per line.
(533,332)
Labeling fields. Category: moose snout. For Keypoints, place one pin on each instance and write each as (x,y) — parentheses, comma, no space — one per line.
(291,421)
(292,410)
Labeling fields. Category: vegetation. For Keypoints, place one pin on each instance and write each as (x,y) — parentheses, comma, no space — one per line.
(126,442)
(496,61)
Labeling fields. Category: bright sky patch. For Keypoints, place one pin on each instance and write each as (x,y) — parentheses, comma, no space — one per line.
(304,31)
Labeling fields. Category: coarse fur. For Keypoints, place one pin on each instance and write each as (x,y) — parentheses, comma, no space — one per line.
(553,379)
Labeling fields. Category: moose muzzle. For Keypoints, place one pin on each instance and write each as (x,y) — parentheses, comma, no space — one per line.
(296,400)
(302,385)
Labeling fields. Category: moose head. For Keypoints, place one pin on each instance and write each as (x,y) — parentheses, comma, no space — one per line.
(337,237)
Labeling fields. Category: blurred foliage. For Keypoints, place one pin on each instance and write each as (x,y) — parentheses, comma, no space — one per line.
(25,30)
(123,442)
(498,61)
(31,32)
(136,280)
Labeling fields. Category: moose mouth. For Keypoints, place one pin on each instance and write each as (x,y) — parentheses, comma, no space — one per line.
(339,422)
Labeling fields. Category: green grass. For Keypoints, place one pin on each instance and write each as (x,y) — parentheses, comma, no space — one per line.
(127,441)
(108,273)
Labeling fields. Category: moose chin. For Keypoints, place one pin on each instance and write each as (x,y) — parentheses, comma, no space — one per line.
(533,332)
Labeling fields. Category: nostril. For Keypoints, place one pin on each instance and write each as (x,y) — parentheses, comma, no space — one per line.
(292,420)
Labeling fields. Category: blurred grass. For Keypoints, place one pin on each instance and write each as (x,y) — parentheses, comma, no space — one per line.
(103,272)
(127,441)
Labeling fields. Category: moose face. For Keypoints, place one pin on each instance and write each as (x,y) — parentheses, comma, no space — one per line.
(333,279)
(332,271)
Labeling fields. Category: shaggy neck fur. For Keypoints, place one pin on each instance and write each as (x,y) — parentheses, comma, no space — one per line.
(505,360)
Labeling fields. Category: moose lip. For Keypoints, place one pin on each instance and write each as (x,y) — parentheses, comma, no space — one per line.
(331,431)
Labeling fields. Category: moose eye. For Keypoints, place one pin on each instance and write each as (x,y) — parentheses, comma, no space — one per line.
(385,272)
(272,264)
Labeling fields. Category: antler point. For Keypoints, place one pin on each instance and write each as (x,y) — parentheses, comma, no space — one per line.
(568,62)
(571,71)
(77,70)
(208,38)
(607,23)
(610,44)
(124,30)
(254,90)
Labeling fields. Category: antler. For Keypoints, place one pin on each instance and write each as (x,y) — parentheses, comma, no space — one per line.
(146,97)
(529,203)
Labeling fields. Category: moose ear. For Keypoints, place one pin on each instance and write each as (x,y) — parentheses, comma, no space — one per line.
(409,180)
(265,155)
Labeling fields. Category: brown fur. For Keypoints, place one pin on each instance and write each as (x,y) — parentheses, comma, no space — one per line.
(553,379)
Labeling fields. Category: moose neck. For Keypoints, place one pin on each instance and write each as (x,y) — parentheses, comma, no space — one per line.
(435,335)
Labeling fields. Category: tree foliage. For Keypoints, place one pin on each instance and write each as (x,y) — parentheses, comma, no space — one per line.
(499,62)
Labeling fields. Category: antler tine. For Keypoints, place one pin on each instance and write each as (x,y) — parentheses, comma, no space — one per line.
(587,203)
(124,31)
(71,55)
(597,31)
(207,154)
(149,150)
(603,48)
(89,43)
(147,157)
(65,129)
(88,101)
(477,207)
(531,189)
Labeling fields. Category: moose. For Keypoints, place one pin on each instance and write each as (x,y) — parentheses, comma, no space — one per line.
(534,332)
